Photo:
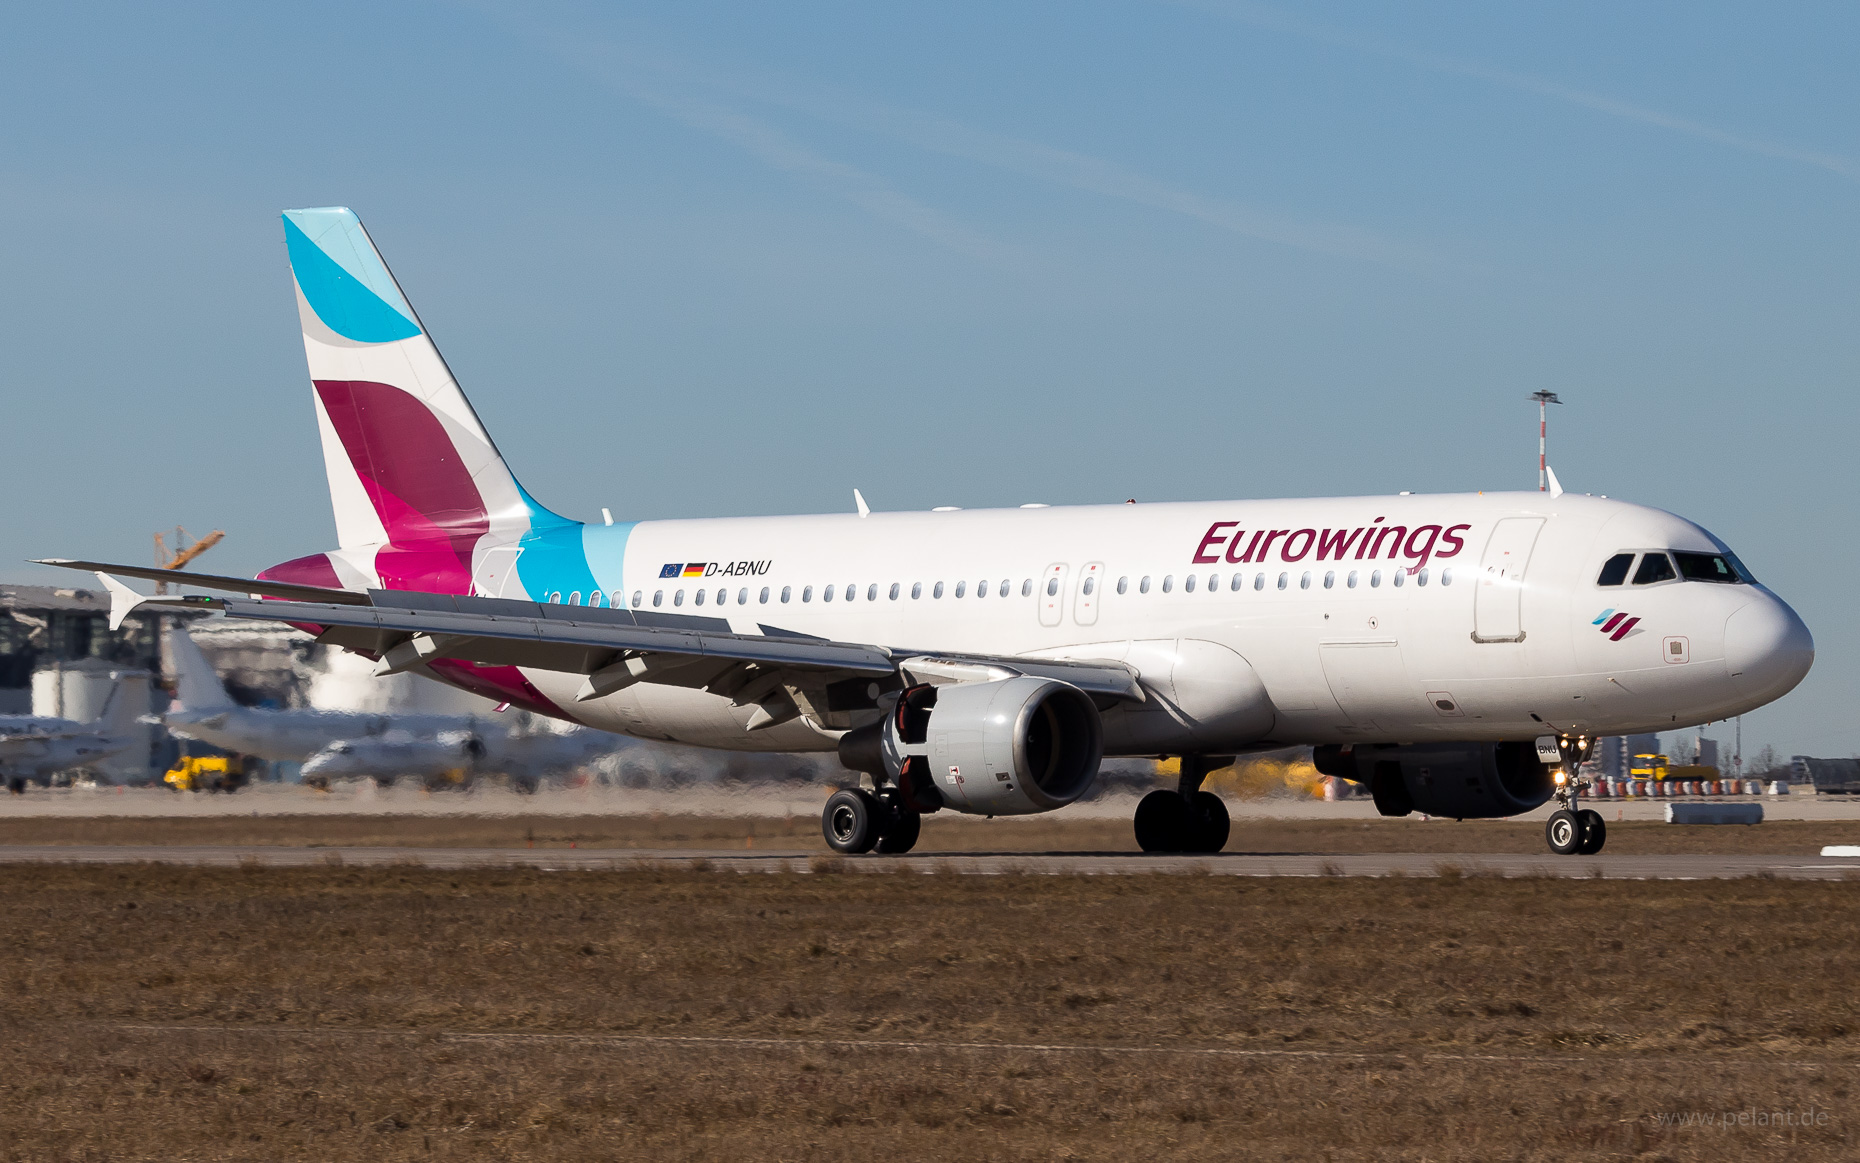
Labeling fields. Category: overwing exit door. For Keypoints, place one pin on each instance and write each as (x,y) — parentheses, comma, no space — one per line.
(1052,595)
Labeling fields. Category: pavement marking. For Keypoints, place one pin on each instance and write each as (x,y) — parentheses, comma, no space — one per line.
(596,1038)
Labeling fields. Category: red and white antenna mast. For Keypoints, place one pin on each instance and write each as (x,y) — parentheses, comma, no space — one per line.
(1544,400)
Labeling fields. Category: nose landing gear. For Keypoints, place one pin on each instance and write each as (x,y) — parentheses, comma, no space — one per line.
(1571,831)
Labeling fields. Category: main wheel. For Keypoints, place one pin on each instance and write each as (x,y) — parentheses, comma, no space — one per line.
(1162,821)
(1564,832)
(1594,831)
(1208,823)
(850,820)
(900,836)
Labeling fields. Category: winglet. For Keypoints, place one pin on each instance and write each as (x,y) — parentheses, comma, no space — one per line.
(1556,486)
(123,600)
(865,510)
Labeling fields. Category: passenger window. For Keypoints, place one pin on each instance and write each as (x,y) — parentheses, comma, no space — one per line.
(1188,584)
(678,599)
(637,595)
(1375,578)
(1351,580)
(765,596)
(786,593)
(1090,584)
(961,588)
(1259,581)
(1143,587)
(596,597)
(807,593)
(852,592)
(981,589)
(1707,567)
(1237,582)
(1283,578)
(1446,576)
(1123,584)
(742,596)
(1214,582)
(1420,579)
(1052,586)
(1654,567)
(871,592)
(936,591)
(1168,582)
(894,591)
(658,597)
(1330,578)
(698,598)
(1026,588)
(826,594)
(574,599)
(1401,578)
(1004,587)
(1304,582)
(555,599)
(1615,570)
(723,596)
(917,590)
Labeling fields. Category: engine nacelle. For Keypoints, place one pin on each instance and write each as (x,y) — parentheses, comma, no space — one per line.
(1461,781)
(1011,747)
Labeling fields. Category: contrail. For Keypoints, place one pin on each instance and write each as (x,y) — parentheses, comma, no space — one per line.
(1271,18)
(671,88)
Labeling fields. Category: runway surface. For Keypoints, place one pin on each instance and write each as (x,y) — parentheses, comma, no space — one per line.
(1665,867)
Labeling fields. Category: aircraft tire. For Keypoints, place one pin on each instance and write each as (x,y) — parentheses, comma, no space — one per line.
(849,822)
(1210,826)
(1162,821)
(1563,832)
(900,835)
(1594,831)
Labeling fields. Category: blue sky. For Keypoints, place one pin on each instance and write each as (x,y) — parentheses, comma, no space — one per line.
(713,259)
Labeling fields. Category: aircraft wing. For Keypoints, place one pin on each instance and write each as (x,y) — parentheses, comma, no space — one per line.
(783,672)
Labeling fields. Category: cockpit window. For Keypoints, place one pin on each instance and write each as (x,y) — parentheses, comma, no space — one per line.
(1654,567)
(1615,570)
(1709,567)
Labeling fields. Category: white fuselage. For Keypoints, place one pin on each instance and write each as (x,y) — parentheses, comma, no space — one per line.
(1251,623)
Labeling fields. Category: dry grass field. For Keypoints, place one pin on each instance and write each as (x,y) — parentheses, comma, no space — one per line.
(345,1014)
(942,833)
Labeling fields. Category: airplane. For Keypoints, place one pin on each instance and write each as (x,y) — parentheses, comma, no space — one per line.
(339,744)
(1458,654)
(36,747)
(525,759)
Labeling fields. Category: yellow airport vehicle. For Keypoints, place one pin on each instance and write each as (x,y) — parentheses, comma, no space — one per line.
(210,773)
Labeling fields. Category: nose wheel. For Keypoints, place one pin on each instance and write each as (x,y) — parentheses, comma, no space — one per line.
(1573,831)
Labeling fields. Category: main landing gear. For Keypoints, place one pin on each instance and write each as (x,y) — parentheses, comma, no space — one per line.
(880,821)
(1572,831)
(1186,819)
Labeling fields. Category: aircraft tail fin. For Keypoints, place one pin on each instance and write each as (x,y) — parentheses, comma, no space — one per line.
(118,716)
(197,685)
(419,489)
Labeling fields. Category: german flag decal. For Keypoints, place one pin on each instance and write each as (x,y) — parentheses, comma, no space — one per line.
(695,569)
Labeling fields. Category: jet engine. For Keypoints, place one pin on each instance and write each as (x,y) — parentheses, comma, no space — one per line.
(1461,781)
(1010,747)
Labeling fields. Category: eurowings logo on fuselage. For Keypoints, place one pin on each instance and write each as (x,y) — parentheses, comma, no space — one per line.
(1616,624)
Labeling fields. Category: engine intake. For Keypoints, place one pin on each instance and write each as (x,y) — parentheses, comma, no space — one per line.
(1461,781)
(1011,747)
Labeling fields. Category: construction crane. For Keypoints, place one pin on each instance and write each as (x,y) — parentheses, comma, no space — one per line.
(183,551)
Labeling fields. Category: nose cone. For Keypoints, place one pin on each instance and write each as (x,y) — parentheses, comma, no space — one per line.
(1767,649)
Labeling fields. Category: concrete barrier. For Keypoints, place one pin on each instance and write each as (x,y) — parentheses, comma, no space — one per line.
(1714,813)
